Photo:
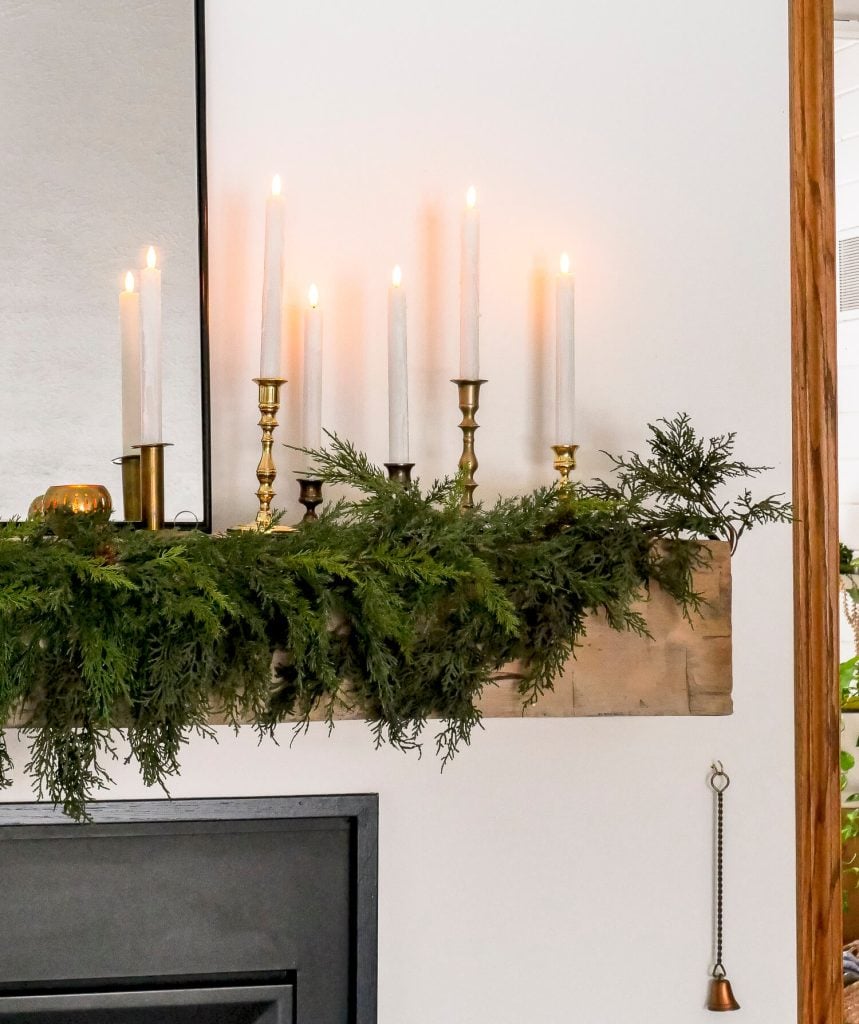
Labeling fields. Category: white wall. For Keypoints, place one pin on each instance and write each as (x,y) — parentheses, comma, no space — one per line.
(558,870)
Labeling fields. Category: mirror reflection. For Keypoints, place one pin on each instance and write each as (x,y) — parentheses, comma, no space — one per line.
(100,169)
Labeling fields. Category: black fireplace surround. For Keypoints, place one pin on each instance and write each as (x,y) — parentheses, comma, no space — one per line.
(239,911)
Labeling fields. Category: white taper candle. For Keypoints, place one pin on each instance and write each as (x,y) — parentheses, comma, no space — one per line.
(150,351)
(565,380)
(129,329)
(398,376)
(272,289)
(311,408)
(469,291)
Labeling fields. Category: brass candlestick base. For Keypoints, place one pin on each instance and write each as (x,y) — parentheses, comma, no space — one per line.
(152,485)
(469,403)
(400,472)
(269,403)
(130,487)
(310,495)
(565,463)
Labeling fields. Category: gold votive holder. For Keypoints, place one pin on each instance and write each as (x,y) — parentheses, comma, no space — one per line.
(130,467)
(400,472)
(152,484)
(77,498)
(469,403)
(564,464)
(309,495)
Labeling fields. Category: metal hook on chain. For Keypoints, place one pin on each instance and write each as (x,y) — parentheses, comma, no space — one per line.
(719,780)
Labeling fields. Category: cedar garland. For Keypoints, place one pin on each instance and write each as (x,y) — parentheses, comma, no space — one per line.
(396,591)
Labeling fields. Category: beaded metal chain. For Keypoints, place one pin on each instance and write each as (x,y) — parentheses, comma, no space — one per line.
(719,782)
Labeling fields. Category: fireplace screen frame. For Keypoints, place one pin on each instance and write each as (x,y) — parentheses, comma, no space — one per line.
(356,815)
(271,1004)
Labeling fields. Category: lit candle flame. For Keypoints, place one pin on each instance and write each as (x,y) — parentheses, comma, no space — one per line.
(275,185)
(565,263)
(129,282)
(150,257)
(471,197)
(313,296)
(396,276)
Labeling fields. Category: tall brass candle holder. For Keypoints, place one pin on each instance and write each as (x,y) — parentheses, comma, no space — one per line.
(400,472)
(309,495)
(152,485)
(269,403)
(565,463)
(469,403)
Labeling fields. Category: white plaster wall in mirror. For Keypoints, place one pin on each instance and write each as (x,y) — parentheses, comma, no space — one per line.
(99,126)
(557,870)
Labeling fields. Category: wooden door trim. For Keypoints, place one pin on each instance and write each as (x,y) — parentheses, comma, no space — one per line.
(815,495)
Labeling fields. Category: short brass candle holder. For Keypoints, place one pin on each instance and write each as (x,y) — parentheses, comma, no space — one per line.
(400,472)
(469,403)
(152,485)
(565,463)
(130,465)
(309,495)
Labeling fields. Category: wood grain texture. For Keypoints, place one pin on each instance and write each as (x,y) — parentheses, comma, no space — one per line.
(815,482)
(684,670)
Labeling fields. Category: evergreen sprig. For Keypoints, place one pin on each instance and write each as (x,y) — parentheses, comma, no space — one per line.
(677,490)
(395,591)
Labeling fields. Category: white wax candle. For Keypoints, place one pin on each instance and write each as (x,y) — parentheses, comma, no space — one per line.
(565,380)
(272,289)
(311,409)
(398,376)
(129,329)
(469,291)
(150,351)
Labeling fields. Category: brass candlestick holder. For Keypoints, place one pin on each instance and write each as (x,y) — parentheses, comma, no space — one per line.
(269,403)
(152,485)
(400,472)
(130,466)
(469,403)
(565,463)
(309,495)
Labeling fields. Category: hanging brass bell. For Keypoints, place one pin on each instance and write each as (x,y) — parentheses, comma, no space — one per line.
(720,996)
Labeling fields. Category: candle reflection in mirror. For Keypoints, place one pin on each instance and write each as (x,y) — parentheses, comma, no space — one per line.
(129,326)
(150,351)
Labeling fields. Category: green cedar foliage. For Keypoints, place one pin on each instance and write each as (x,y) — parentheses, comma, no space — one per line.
(396,591)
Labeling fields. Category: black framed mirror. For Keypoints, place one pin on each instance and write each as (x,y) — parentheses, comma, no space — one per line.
(104,120)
